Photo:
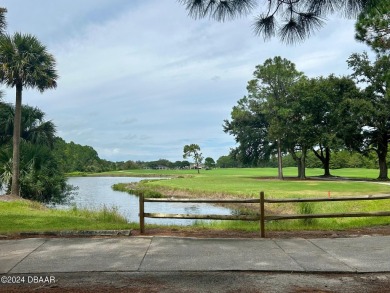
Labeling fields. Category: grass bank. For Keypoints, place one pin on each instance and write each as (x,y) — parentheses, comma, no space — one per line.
(29,216)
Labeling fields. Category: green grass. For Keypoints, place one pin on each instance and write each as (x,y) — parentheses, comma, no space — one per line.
(249,183)
(251,172)
(24,216)
(27,216)
(337,224)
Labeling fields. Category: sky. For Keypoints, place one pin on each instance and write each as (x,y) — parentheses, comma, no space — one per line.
(140,79)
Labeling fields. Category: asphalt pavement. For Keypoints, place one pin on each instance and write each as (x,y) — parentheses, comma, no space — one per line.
(367,254)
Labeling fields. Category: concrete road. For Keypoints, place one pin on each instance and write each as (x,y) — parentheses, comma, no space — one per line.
(368,254)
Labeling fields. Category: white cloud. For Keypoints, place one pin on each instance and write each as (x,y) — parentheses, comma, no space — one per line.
(139,79)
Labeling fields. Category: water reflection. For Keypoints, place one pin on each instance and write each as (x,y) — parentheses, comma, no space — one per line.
(192,209)
(96,192)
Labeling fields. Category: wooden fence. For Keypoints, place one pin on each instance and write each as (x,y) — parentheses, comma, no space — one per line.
(261,217)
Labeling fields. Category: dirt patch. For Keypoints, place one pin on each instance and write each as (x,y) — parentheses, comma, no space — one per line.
(8,197)
(203,233)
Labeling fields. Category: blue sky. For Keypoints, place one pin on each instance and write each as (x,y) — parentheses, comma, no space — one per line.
(140,79)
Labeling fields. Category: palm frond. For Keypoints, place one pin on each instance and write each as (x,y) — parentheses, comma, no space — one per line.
(26,62)
(34,128)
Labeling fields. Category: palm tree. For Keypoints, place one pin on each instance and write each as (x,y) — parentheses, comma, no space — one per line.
(292,20)
(24,63)
(34,128)
(37,136)
(40,176)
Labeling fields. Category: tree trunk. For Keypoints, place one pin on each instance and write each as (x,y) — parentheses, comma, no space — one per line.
(326,163)
(302,164)
(325,160)
(15,187)
(382,154)
(299,165)
(280,162)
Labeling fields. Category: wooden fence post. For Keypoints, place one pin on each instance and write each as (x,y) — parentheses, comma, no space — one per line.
(141,214)
(262,216)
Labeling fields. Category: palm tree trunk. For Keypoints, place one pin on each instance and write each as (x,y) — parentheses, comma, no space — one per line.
(15,187)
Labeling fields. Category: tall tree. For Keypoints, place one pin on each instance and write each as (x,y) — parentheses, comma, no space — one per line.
(297,115)
(373,26)
(374,114)
(249,126)
(323,98)
(271,117)
(291,20)
(24,63)
(193,150)
(274,81)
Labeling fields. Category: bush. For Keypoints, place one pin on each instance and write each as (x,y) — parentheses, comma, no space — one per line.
(40,177)
(307,208)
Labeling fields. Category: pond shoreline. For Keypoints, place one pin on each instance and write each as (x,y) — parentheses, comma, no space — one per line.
(97,191)
(121,175)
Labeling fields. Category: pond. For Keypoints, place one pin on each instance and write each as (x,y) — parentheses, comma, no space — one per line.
(96,192)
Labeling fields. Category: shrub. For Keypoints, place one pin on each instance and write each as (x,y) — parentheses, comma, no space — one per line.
(307,208)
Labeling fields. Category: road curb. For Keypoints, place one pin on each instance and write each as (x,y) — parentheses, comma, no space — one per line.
(78,233)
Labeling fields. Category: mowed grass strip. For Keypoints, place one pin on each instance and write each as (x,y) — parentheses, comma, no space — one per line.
(28,216)
(249,182)
(250,172)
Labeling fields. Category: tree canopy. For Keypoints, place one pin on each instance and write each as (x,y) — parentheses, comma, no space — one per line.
(373,110)
(373,26)
(288,112)
(291,20)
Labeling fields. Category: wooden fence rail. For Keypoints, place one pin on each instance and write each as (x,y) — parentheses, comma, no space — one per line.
(262,218)
(143,215)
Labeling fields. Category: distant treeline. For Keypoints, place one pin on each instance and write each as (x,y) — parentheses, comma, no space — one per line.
(74,157)
(339,159)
